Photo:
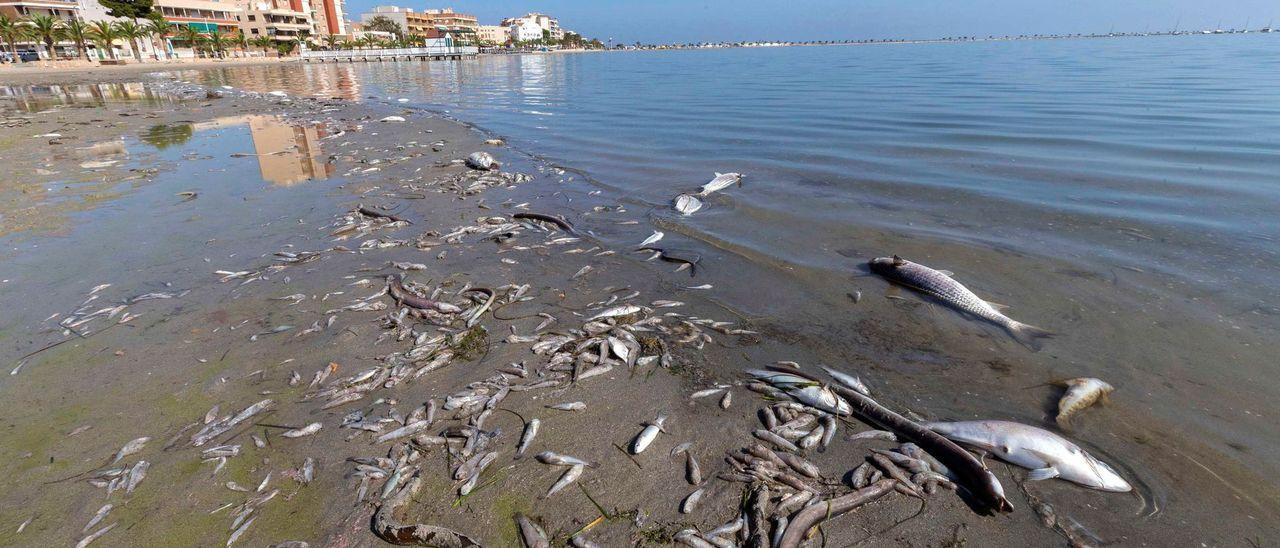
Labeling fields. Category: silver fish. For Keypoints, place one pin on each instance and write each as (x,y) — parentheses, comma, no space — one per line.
(532,535)
(482,161)
(1046,454)
(130,448)
(570,406)
(939,285)
(805,390)
(850,381)
(102,513)
(569,476)
(622,310)
(556,459)
(1081,393)
(86,540)
(646,436)
(653,238)
(721,181)
(530,431)
(687,204)
(690,501)
(304,431)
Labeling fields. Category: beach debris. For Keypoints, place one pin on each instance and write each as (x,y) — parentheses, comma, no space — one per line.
(392,119)
(721,181)
(1081,393)
(568,406)
(494,142)
(940,285)
(482,161)
(1046,454)
(686,204)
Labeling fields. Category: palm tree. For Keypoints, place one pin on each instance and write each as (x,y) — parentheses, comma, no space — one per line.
(241,41)
(263,42)
(45,28)
(286,47)
(157,28)
(77,31)
(12,30)
(129,30)
(104,34)
(331,40)
(192,37)
(217,40)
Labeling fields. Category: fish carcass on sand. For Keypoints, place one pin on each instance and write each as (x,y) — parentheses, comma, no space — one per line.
(1046,454)
(721,181)
(939,285)
(1081,393)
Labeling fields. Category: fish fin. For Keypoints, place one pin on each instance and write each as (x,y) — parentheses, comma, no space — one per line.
(1028,335)
(996,305)
(1041,474)
(947,273)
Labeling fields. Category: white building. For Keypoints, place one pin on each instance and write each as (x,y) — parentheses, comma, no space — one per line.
(525,31)
(522,27)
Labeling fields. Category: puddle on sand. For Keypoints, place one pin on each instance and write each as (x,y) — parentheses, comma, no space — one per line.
(287,154)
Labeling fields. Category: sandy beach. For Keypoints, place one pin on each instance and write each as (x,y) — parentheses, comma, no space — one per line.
(248,239)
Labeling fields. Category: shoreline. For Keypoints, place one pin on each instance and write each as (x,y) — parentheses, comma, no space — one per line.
(617,404)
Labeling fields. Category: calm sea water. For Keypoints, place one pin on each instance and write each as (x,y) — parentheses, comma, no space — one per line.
(1123,193)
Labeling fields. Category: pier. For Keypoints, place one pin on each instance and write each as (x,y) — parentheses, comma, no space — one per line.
(428,53)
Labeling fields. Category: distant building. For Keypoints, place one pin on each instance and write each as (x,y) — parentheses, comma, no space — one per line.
(433,23)
(202,15)
(62,9)
(329,17)
(522,26)
(493,34)
(282,20)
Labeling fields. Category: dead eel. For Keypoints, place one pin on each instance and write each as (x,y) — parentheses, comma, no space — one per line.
(560,223)
(672,255)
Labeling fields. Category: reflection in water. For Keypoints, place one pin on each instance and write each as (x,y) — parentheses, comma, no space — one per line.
(33,98)
(163,136)
(287,154)
(326,81)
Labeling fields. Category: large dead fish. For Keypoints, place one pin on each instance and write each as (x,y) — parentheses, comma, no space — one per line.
(1046,454)
(939,285)
(722,180)
(805,390)
(687,204)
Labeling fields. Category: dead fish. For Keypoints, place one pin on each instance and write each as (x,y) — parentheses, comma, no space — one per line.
(569,476)
(648,434)
(939,285)
(1046,454)
(86,540)
(852,382)
(720,182)
(690,501)
(582,272)
(707,392)
(532,535)
(530,432)
(622,310)
(136,475)
(304,431)
(404,431)
(97,517)
(273,331)
(482,161)
(687,204)
(653,238)
(130,448)
(693,471)
(805,390)
(686,258)
(874,435)
(1081,393)
(571,406)
(779,441)
(556,459)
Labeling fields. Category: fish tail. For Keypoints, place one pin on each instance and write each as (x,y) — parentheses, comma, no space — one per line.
(1028,335)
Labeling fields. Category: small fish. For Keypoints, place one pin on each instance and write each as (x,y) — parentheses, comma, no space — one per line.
(648,434)
(86,540)
(690,501)
(304,431)
(273,331)
(851,381)
(687,204)
(532,535)
(530,432)
(693,472)
(720,182)
(571,406)
(556,459)
(707,392)
(779,441)
(569,476)
(582,272)
(621,310)
(130,448)
(482,161)
(653,238)
(1081,393)
(102,513)
(874,435)
(939,285)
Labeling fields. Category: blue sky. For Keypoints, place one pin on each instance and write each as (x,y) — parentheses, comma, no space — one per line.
(715,20)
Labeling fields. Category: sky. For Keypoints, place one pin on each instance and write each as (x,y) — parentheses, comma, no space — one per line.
(676,21)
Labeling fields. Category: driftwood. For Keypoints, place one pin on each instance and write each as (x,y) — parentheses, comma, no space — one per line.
(392,530)
(806,519)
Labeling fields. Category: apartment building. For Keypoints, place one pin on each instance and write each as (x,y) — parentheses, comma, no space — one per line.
(282,20)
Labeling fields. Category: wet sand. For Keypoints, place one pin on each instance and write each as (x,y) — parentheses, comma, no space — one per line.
(68,228)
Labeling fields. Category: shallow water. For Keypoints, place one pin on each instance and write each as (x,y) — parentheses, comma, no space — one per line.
(1118,192)
(1121,193)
